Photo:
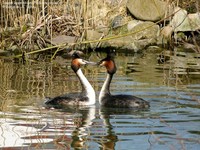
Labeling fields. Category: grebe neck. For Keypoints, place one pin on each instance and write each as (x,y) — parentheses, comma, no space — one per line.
(86,87)
(105,90)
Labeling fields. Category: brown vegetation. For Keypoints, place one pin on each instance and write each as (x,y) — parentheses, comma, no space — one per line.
(36,22)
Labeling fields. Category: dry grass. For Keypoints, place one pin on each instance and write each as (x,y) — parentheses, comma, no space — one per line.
(12,13)
(38,21)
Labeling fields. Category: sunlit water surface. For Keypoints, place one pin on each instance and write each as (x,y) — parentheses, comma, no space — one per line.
(172,122)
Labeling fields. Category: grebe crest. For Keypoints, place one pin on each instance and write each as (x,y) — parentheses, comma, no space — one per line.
(107,99)
(86,97)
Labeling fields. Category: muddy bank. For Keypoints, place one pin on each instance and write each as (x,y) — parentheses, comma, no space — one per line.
(84,25)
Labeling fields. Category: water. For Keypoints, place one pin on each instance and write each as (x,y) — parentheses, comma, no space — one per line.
(172,122)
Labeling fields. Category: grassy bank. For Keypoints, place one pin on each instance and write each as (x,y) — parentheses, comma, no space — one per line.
(30,24)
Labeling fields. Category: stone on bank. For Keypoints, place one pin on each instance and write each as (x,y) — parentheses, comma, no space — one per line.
(149,10)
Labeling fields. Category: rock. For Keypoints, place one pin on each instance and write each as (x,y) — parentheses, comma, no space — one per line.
(93,35)
(131,24)
(120,43)
(144,34)
(145,30)
(149,10)
(117,21)
(182,21)
(62,39)
(80,53)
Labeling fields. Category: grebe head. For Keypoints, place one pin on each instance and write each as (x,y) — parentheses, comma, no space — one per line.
(77,61)
(109,63)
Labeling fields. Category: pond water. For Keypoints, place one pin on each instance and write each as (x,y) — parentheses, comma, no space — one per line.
(172,122)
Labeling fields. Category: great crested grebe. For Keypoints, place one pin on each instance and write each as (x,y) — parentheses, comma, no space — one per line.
(123,101)
(85,97)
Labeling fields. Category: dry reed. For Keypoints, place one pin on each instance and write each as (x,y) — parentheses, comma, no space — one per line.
(38,21)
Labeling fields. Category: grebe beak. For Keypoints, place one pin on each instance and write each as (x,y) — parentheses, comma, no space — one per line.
(89,62)
(100,63)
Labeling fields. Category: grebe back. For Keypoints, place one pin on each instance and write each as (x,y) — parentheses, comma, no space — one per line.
(85,97)
(123,101)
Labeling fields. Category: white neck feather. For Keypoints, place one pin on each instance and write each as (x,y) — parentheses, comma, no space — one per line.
(90,93)
(105,88)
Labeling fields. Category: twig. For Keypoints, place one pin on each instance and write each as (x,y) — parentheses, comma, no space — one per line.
(58,49)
